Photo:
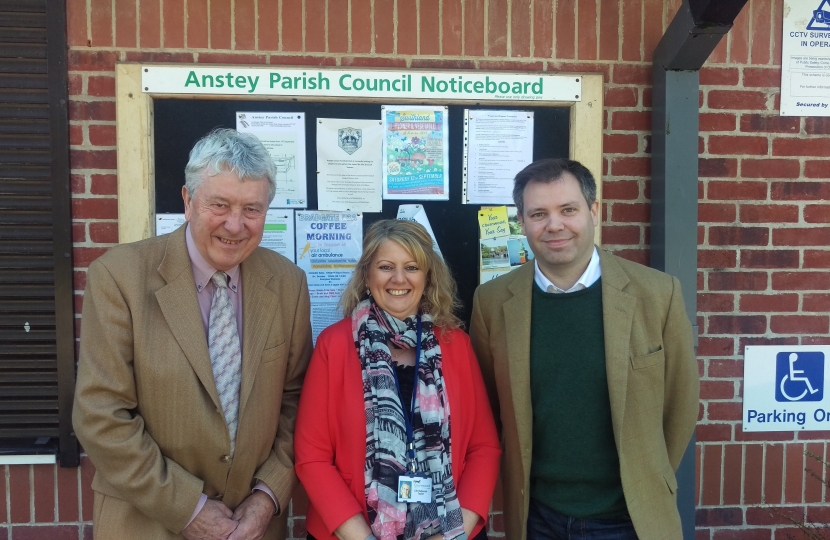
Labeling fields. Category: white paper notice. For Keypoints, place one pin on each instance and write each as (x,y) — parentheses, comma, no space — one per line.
(279,232)
(805,58)
(416,213)
(167,223)
(349,164)
(498,145)
(283,134)
(329,245)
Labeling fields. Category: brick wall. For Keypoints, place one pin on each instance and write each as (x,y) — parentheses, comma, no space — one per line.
(764,189)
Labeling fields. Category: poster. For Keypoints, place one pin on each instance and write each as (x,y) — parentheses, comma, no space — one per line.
(283,135)
(349,164)
(167,223)
(416,213)
(805,58)
(329,245)
(497,145)
(492,222)
(502,246)
(416,153)
(279,232)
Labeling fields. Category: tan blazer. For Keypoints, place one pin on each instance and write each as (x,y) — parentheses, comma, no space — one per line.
(146,407)
(652,384)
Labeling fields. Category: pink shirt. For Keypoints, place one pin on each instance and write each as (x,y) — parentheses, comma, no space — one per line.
(202,272)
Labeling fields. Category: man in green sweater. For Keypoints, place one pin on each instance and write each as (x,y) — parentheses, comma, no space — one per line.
(589,362)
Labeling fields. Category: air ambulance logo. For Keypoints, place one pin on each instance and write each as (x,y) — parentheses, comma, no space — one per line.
(350,139)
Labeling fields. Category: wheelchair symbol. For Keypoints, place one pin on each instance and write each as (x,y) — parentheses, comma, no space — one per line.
(796,376)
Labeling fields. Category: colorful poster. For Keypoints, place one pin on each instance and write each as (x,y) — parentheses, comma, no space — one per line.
(279,232)
(416,153)
(283,135)
(329,245)
(502,246)
(349,165)
(167,223)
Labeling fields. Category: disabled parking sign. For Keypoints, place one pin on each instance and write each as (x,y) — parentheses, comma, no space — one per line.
(784,388)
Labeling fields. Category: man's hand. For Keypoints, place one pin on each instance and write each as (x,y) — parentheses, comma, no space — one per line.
(253,514)
(213,522)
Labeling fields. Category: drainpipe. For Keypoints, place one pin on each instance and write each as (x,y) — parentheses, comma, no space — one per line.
(693,34)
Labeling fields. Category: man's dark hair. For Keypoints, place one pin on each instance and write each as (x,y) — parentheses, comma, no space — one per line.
(549,170)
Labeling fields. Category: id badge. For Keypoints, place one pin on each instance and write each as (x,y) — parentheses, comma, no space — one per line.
(415,489)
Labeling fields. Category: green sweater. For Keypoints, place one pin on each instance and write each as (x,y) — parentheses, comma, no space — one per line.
(575,468)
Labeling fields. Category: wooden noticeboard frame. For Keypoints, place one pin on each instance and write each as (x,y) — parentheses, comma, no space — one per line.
(135,140)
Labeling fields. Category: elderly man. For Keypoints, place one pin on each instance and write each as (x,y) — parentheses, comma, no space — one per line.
(589,362)
(193,350)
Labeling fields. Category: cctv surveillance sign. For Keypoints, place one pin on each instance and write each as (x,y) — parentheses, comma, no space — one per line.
(805,58)
(786,388)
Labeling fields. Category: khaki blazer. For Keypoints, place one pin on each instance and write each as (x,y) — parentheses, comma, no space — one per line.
(146,407)
(653,386)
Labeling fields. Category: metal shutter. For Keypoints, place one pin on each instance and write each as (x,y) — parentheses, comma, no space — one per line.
(36,312)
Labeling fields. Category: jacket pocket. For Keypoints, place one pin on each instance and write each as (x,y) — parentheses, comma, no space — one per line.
(671,480)
(273,353)
(648,360)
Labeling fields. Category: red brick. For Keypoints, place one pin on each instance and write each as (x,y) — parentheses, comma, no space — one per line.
(653,12)
(76,29)
(621,97)
(437,63)
(716,122)
(76,135)
(741,145)
(580,67)
(761,49)
(19,492)
(52,532)
(519,25)
(159,57)
(763,123)
(814,466)
(609,30)
(717,390)
(718,76)
(718,56)
(732,460)
(65,478)
(587,30)
(740,38)
(741,435)
(75,85)
(101,86)
(452,23)
(801,281)
(737,99)
(816,259)
(95,208)
(728,191)
(565,33)
(794,486)
(816,303)
(542,28)
(717,168)
(753,463)
(713,433)
(717,258)
(632,74)
(292,32)
(737,324)
(473,27)
(631,166)
(220,22)
(92,159)
(87,472)
(621,235)
(620,189)
(44,493)
(79,232)
(817,213)
(125,14)
(815,125)
(101,23)
(78,183)
(751,341)
(773,516)
(244,18)
(762,77)
(150,23)
(102,135)
(711,213)
(738,236)
(816,169)
(508,65)
(68,507)
(759,258)
(726,369)
(173,30)
(770,168)
(818,514)
(801,237)
(631,121)
(799,324)
(769,213)
(373,61)
(764,303)
(92,110)
(801,147)
(231,58)
(104,184)
(302,60)
(197,24)
(710,489)
(639,256)
(104,233)
(709,346)
(631,212)
(79,60)
(632,32)
(719,517)
(774,474)
(800,191)
(710,302)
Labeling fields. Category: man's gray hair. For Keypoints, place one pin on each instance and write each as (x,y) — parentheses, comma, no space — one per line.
(227,150)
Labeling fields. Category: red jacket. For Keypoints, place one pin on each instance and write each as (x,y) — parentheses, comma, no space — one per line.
(330,435)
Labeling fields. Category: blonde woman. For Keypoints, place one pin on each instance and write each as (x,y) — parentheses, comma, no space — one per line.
(395,438)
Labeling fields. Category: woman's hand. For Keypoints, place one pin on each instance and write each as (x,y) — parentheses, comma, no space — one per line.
(470,520)
(354,528)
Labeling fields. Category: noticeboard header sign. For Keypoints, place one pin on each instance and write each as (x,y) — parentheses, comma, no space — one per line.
(786,388)
(362,83)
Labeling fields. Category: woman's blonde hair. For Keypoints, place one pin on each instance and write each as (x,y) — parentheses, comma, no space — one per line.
(440,298)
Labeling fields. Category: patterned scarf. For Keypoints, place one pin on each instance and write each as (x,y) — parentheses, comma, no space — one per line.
(386,457)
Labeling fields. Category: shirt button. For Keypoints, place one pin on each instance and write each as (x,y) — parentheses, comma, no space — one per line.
(225,459)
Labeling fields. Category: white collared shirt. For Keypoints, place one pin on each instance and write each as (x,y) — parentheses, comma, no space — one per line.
(588,277)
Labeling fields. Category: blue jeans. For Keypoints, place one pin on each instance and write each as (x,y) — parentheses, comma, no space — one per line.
(545,523)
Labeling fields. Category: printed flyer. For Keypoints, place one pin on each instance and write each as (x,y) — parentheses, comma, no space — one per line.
(279,232)
(416,153)
(329,245)
(502,246)
(167,223)
(416,213)
(349,165)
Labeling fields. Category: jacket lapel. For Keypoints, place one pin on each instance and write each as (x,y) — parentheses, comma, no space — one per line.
(617,315)
(180,308)
(517,315)
(256,320)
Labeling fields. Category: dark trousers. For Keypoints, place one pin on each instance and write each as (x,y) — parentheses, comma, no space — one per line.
(545,523)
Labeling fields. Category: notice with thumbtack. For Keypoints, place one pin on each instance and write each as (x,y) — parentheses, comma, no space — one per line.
(279,232)
(785,388)
(805,58)
(349,165)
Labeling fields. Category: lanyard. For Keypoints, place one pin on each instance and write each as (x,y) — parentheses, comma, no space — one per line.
(408,418)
